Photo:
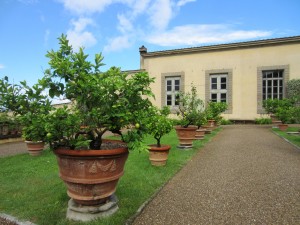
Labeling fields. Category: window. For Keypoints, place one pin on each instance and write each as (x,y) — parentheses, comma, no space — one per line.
(271,83)
(218,87)
(172,89)
(272,86)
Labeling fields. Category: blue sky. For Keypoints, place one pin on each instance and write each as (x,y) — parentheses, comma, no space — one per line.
(117,28)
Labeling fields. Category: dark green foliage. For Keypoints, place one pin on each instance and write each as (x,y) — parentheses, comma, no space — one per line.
(191,108)
(263,121)
(30,106)
(225,122)
(215,109)
(293,89)
(110,100)
(158,124)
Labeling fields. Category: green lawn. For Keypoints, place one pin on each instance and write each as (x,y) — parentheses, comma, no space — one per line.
(30,188)
(294,138)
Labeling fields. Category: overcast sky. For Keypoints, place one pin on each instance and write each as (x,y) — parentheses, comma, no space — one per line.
(117,28)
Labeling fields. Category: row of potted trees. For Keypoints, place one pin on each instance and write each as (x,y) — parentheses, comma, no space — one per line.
(283,111)
(9,126)
(196,118)
(29,107)
(90,165)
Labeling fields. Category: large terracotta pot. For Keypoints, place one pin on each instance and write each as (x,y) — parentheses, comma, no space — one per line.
(208,129)
(91,176)
(159,155)
(186,136)
(35,148)
(200,133)
(283,127)
(212,123)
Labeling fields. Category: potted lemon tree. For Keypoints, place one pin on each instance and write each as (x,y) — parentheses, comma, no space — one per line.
(115,101)
(213,112)
(284,112)
(158,125)
(188,112)
(200,121)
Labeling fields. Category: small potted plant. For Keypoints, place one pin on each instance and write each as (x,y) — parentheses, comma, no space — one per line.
(30,106)
(270,106)
(200,121)
(34,133)
(285,115)
(159,125)
(188,112)
(213,112)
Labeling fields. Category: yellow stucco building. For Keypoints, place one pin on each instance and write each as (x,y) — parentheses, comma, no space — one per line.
(241,74)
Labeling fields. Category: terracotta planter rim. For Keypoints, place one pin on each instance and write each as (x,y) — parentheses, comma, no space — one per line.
(191,127)
(116,151)
(154,147)
(32,142)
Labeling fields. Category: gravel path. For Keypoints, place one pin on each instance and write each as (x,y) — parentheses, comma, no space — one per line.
(246,175)
(12,148)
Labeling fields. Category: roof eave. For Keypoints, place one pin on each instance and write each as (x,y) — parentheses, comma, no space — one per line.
(222,47)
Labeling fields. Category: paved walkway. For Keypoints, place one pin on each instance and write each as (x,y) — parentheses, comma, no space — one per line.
(246,175)
(12,148)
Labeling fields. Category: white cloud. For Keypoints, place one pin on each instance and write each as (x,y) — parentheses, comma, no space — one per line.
(157,13)
(2,66)
(139,6)
(77,35)
(183,2)
(203,34)
(160,14)
(125,24)
(86,6)
(118,43)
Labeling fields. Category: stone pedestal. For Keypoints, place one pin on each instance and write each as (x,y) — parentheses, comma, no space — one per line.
(87,213)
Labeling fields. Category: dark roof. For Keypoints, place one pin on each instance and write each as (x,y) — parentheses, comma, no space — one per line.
(230,46)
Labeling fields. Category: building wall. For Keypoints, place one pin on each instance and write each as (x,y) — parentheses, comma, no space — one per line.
(243,62)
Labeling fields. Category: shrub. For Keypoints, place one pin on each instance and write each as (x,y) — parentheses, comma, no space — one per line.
(214,110)
(293,89)
(263,121)
(225,122)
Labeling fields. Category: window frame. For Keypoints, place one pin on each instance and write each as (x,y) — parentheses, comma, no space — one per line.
(164,77)
(218,91)
(260,70)
(268,84)
(229,73)
(173,92)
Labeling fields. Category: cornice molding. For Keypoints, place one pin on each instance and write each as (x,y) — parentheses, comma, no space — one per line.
(224,47)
